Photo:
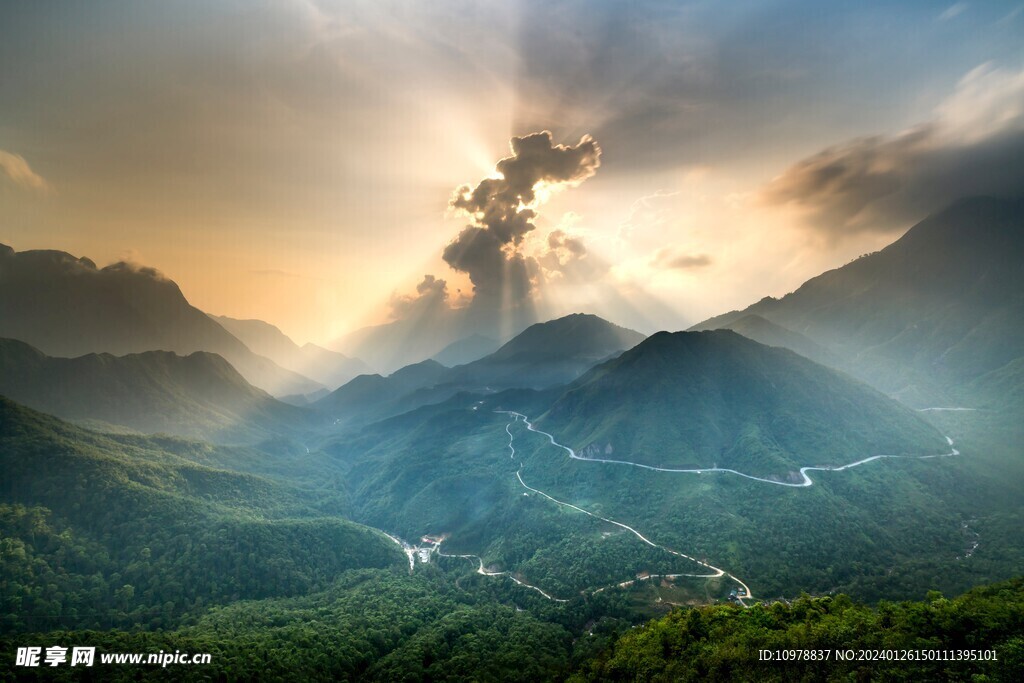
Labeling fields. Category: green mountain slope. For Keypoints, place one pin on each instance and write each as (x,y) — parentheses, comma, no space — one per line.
(725,643)
(885,528)
(371,397)
(108,531)
(66,306)
(716,398)
(199,395)
(768,333)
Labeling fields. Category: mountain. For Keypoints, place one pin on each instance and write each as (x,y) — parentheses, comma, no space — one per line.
(471,471)
(700,399)
(547,354)
(402,342)
(941,306)
(199,395)
(425,329)
(544,355)
(768,333)
(303,399)
(467,350)
(66,306)
(370,397)
(329,368)
(126,530)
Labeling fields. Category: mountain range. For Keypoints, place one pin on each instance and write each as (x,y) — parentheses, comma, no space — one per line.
(393,345)
(701,399)
(542,356)
(66,306)
(199,395)
(466,350)
(329,368)
(941,306)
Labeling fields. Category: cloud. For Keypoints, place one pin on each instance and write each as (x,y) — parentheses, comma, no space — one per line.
(431,296)
(646,212)
(21,174)
(671,258)
(564,255)
(502,211)
(953,11)
(973,146)
(129,269)
(559,241)
(493,249)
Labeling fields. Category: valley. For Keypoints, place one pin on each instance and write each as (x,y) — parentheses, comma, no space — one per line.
(742,596)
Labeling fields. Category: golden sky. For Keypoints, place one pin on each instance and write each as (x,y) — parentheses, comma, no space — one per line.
(293,161)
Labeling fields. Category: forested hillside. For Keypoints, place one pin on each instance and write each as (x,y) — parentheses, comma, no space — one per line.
(380,625)
(115,532)
(199,395)
(697,399)
(723,643)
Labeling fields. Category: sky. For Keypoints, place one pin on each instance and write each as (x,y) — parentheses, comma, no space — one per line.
(329,165)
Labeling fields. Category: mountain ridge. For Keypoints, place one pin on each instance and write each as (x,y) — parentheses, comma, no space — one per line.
(198,395)
(712,398)
(66,306)
(941,305)
(544,355)
(329,368)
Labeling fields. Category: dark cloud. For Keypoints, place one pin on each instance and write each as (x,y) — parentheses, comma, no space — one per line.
(431,297)
(975,146)
(557,239)
(671,258)
(881,184)
(566,258)
(502,213)
(665,84)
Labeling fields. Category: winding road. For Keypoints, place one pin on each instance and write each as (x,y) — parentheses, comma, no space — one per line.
(483,571)
(716,571)
(805,480)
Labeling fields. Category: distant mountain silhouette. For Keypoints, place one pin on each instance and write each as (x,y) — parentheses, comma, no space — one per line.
(330,368)
(198,396)
(66,306)
(705,398)
(930,313)
(544,355)
(368,397)
(467,350)
(768,333)
(549,353)
(398,343)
